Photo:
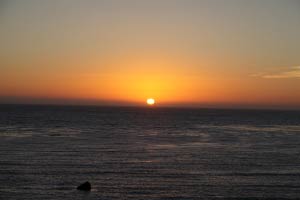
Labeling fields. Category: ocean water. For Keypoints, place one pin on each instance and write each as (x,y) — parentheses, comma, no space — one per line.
(148,153)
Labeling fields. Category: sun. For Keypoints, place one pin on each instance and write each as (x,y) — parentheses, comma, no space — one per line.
(150,101)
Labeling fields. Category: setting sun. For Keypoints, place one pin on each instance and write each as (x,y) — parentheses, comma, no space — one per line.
(150,101)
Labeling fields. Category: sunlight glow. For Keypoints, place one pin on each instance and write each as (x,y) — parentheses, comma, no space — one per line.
(150,101)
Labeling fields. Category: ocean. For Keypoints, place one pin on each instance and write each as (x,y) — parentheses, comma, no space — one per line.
(148,153)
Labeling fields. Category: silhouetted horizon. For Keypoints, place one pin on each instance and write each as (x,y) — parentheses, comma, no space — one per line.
(181,106)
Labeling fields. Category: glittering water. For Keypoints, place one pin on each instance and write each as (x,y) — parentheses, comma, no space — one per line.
(142,153)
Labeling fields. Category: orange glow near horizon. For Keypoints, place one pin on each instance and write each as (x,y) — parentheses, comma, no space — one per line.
(131,80)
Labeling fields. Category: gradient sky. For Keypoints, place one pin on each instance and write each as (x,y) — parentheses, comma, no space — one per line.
(236,53)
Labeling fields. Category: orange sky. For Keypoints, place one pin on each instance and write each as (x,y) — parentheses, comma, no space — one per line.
(197,53)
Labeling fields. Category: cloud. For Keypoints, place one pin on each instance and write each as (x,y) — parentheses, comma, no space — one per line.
(292,72)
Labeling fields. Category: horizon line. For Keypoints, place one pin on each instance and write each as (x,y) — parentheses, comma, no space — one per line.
(196,107)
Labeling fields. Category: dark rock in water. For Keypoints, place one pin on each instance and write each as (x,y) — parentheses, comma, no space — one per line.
(84,186)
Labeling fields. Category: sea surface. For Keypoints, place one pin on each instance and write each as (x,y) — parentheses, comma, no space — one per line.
(148,153)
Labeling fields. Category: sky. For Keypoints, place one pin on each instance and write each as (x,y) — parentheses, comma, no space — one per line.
(203,53)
